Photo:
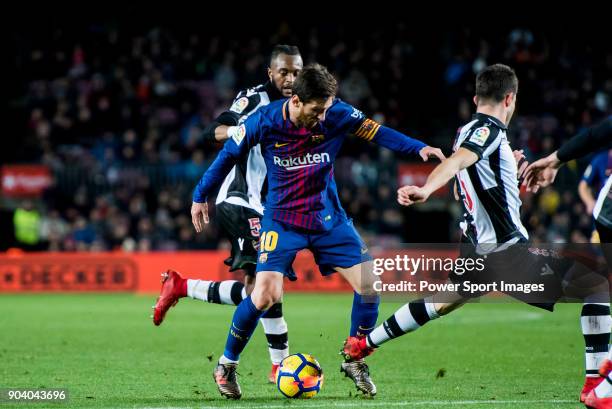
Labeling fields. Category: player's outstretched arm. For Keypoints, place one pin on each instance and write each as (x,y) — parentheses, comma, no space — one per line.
(445,171)
(369,130)
(542,173)
(398,142)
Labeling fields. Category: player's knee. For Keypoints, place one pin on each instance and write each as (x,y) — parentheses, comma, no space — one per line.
(264,300)
(266,293)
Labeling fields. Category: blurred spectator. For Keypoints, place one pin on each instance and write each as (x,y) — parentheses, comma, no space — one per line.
(27,224)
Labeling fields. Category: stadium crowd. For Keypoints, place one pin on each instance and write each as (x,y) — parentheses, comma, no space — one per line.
(117,113)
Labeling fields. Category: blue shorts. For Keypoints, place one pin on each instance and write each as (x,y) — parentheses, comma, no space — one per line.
(341,246)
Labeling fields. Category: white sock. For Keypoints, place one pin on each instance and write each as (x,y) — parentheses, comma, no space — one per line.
(225,360)
(430,306)
(276,334)
(198,289)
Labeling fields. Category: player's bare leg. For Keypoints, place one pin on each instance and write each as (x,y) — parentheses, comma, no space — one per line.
(268,289)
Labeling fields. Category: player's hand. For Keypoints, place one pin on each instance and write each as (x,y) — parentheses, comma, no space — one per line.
(521,163)
(409,195)
(541,173)
(199,213)
(430,152)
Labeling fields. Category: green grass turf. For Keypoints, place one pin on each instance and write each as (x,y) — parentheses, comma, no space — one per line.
(106,351)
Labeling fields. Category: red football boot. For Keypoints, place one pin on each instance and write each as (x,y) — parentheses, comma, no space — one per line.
(272,375)
(589,385)
(174,286)
(355,348)
(594,402)
(605,368)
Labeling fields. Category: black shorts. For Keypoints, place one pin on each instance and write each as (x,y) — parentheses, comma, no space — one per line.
(520,264)
(241,225)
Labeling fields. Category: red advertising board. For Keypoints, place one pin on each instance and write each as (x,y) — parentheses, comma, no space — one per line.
(140,272)
(24,180)
(134,272)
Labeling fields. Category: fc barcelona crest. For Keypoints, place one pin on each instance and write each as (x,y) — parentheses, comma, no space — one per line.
(317,138)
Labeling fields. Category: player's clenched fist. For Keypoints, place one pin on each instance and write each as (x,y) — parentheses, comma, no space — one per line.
(409,195)
(199,215)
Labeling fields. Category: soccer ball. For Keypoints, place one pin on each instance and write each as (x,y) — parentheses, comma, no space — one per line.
(299,376)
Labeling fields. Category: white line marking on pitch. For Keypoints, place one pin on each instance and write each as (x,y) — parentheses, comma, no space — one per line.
(385,404)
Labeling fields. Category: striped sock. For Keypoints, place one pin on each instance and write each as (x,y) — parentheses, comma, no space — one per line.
(228,292)
(275,328)
(595,322)
(408,318)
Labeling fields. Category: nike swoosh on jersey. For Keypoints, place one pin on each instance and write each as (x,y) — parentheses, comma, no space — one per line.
(278,145)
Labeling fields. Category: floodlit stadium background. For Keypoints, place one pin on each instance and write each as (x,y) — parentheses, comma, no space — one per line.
(109,110)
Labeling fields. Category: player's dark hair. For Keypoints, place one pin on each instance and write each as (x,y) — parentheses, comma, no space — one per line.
(495,82)
(315,82)
(283,49)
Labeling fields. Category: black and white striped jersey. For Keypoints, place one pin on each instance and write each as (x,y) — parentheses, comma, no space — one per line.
(245,184)
(489,188)
(603,207)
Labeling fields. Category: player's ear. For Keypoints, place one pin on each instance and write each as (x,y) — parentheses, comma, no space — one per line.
(475,99)
(295,101)
(508,99)
(270,75)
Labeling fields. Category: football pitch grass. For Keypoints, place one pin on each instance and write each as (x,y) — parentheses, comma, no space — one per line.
(105,350)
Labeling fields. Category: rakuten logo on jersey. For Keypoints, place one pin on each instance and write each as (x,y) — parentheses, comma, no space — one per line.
(291,163)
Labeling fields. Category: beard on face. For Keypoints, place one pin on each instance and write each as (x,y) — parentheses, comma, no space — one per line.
(286,90)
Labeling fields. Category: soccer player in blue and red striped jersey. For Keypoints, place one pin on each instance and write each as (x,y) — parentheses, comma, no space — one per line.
(299,139)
